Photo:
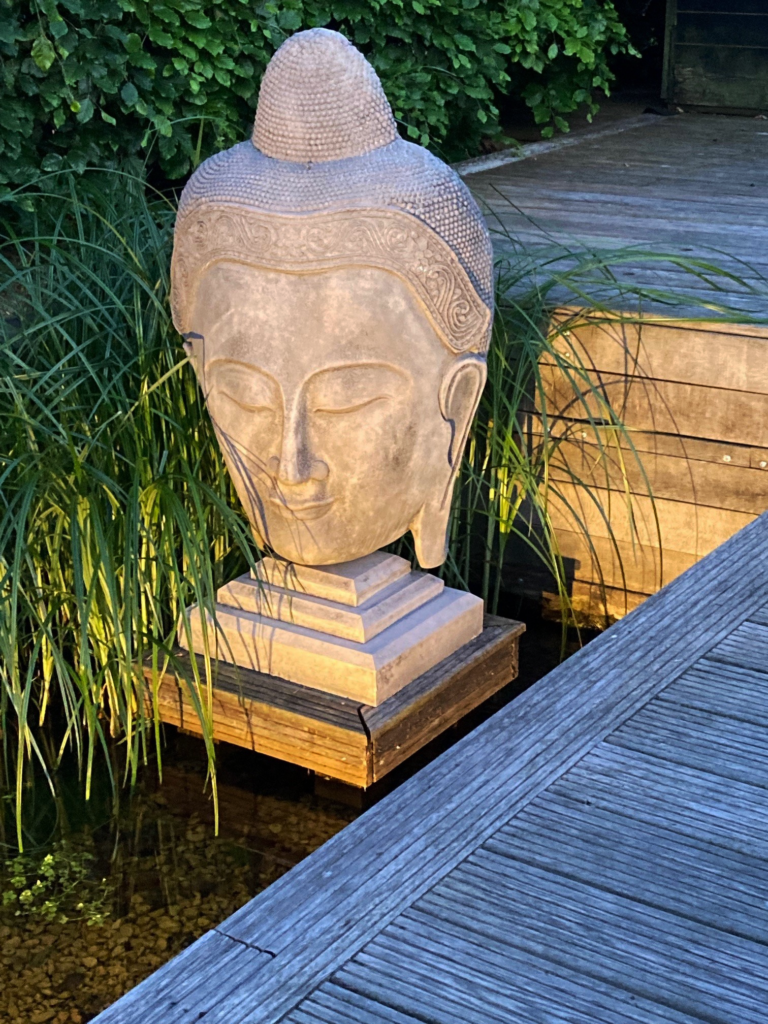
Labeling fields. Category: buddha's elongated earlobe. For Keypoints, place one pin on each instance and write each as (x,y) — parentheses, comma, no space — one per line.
(459,397)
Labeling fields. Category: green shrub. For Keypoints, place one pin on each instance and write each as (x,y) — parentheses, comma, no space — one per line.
(96,82)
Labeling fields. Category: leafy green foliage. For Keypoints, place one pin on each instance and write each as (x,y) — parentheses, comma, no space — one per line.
(101,82)
(56,886)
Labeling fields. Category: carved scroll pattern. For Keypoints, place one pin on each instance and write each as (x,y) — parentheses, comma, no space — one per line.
(388,239)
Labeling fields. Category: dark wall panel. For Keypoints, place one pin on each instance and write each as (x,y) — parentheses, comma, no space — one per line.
(722,6)
(715,29)
(717,54)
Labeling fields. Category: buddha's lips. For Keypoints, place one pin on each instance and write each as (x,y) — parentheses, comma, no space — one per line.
(302,510)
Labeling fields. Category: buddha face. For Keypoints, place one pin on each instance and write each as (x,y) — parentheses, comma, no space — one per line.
(340,413)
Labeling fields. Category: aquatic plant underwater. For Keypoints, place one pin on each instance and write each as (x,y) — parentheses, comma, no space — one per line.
(116,511)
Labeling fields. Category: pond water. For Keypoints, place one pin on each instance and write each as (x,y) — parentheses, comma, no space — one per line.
(121,890)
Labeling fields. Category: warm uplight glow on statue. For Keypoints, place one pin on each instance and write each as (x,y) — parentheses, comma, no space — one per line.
(333,284)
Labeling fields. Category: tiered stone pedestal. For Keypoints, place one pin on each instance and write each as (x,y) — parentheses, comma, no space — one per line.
(387,659)
(363,629)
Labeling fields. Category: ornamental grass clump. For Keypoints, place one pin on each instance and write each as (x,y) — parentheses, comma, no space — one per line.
(116,511)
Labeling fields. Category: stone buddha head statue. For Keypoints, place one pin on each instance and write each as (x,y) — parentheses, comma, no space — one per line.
(333,284)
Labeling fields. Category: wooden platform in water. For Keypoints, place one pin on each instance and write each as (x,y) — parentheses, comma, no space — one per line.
(336,737)
(595,852)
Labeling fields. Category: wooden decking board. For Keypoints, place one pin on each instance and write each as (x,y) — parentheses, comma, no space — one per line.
(727,890)
(726,690)
(188,986)
(685,975)
(694,185)
(585,911)
(446,949)
(432,992)
(445,903)
(698,739)
(745,872)
(745,647)
(525,985)
(761,618)
(415,990)
(332,1003)
(670,796)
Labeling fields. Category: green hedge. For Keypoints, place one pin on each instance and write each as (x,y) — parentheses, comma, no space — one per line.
(166,82)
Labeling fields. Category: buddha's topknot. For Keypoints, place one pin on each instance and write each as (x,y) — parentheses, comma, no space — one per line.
(321,100)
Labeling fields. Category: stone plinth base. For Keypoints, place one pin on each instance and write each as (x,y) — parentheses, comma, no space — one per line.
(362,630)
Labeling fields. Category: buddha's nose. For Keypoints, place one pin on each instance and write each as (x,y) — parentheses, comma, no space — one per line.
(297,464)
(296,467)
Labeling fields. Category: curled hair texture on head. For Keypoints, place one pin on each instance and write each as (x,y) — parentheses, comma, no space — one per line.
(327,182)
(321,100)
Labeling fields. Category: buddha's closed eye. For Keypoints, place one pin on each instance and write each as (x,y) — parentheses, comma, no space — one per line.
(247,387)
(356,386)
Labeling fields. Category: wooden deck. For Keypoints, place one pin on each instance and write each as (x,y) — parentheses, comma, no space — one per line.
(695,185)
(692,394)
(595,852)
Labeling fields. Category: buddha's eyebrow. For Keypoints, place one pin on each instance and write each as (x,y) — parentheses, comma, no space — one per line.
(363,365)
(221,362)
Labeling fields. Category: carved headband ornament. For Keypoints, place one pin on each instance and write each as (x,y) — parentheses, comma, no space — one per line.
(326,182)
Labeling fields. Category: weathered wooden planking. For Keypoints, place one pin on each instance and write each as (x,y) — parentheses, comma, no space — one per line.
(660,406)
(647,952)
(745,647)
(676,446)
(691,185)
(274,717)
(718,481)
(727,890)
(677,525)
(183,990)
(335,736)
(759,615)
(671,797)
(451,980)
(726,690)
(691,353)
(333,1004)
(454,977)
(698,739)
